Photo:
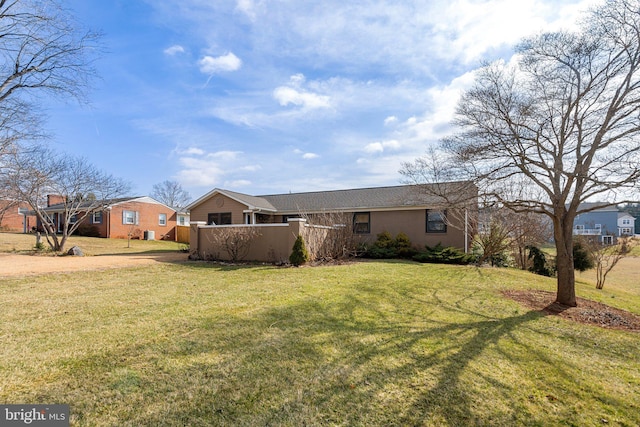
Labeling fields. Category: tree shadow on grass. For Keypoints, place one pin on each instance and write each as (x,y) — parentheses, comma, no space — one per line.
(372,357)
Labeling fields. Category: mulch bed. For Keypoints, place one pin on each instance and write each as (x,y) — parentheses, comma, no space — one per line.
(587,311)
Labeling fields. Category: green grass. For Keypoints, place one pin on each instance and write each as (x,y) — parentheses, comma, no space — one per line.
(366,344)
(24,243)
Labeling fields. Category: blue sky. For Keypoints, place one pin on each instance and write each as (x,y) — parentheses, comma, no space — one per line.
(272,96)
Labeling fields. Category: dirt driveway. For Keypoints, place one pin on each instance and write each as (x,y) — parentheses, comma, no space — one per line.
(24,265)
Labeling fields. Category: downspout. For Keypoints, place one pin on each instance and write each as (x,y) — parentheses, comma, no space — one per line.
(466,231)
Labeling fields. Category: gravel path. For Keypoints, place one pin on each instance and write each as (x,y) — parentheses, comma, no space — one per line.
(25,265)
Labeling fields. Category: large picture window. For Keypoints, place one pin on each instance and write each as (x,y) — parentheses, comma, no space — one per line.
(219,218)
(362,223)
(436,221)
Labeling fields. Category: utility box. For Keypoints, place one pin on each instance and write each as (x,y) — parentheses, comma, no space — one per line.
(149,235)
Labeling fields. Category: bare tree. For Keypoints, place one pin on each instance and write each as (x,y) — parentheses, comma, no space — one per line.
(235,241)
(338,240)
(493,240)
(556,128)
(606,257)
(42,50)
(83,189)
(501,229)
(171,194)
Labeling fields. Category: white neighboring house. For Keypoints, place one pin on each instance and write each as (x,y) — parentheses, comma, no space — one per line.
(183,218)
(626,224)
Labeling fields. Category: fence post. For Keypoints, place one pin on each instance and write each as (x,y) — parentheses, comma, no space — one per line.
(194,236)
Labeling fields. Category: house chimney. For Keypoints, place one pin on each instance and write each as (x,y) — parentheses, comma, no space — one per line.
(54,199)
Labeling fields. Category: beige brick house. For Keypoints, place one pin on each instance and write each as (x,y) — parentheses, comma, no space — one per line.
(411,209)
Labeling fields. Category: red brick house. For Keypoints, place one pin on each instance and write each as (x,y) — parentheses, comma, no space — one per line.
(16,216)
(138,217)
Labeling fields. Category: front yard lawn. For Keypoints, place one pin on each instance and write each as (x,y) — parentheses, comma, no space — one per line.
(368,343)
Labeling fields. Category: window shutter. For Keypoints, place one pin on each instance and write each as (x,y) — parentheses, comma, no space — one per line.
(137,218)
(124,217)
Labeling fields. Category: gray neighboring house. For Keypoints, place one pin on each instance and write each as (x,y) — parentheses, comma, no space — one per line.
(606,223)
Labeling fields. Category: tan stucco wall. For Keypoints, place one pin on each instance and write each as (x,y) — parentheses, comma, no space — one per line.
(414,223)
(273,244)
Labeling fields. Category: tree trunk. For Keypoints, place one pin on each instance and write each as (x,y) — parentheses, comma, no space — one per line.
(563,233)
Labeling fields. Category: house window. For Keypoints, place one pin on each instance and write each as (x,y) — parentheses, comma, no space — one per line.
(607,240)
(362,223)
(436,221)
(579,227)
(598,226)
(625,231)
(181,220)
(130,217)
(96,218)
(221,218)
(626,222)
(162,219)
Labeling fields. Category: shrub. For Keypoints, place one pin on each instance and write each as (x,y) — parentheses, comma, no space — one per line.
(386,247)
(540,265)
(299,254)
(88,231)
(403,246)
(443,255)
(582,259)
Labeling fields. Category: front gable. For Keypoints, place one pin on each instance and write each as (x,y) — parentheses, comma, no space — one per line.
(217,208)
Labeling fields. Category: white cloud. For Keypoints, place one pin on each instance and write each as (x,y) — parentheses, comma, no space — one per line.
(247,7)
(380,147)
(201,169)
(288,95)
(172,50)
(191,151)
(309,156)
(390,120)
(238,183)
(213,65)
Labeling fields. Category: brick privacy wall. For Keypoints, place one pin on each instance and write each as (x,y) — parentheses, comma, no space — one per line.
(148,220)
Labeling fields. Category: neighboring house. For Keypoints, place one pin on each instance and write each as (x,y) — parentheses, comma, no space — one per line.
(138,217)
(606,223)
(16,216)
(183,218)
(370,211)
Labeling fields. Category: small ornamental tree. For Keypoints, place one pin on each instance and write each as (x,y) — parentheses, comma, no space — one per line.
(299,254)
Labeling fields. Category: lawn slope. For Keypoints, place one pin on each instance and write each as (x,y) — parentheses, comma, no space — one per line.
(370,343)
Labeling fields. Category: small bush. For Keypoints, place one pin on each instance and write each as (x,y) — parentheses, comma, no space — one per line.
(386,247)
(582,260)
(299,254)
(88,231)
(540,265)
(443,255)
